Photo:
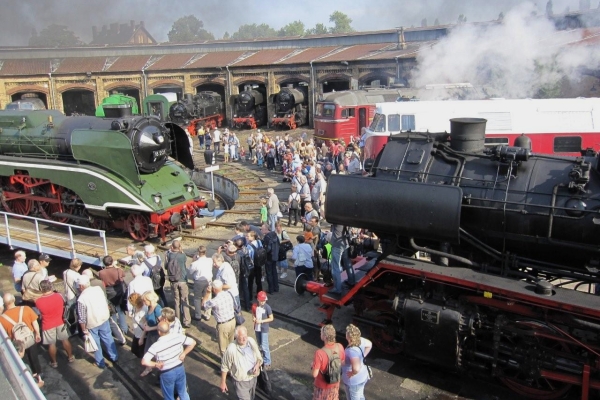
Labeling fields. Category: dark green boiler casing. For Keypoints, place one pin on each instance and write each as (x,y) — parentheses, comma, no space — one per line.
(108,172)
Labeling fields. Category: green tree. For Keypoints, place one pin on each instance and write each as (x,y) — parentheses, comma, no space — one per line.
(341,23)
(295,28)
(319,29)
(226,36)
(254,31)
(501,16)
(424,23)
(189,29)
(436,22)
(54,36)
(462,19)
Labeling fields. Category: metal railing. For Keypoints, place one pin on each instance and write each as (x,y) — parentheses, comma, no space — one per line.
(16,373)
(9,234)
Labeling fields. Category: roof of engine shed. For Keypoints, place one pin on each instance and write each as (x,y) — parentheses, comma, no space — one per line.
(135,63)
(335,49)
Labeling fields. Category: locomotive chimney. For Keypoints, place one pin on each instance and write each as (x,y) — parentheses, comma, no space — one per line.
(188,97)
(467,134)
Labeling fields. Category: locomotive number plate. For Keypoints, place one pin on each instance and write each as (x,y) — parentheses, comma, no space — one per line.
(159,153)
(433,317)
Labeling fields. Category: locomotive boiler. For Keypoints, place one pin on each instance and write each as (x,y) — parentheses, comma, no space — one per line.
(203,108)
(250,109)
(102,172)
(291,108)
(514,245)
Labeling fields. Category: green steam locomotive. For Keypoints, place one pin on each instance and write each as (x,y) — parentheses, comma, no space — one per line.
(117,172)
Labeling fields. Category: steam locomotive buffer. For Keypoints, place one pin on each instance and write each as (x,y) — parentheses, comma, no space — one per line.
(514,244)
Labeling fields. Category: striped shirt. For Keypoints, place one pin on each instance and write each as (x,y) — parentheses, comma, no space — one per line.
(167,350)
(222,306)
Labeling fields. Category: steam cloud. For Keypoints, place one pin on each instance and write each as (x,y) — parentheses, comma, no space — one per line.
(512,59)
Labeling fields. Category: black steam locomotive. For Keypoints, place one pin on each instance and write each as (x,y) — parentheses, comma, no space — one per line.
(202,106)
(291,107)
(250,109)
(514,243)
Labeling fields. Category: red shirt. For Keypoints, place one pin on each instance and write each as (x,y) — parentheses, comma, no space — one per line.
(28,317)
(51,307)
(322,361)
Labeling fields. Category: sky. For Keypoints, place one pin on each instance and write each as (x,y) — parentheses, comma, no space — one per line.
(19,17)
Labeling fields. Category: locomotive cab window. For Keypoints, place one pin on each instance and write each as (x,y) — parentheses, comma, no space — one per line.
(325,110)
(348,113)
(567,144)
(378,124)
(408,123)
(394,123)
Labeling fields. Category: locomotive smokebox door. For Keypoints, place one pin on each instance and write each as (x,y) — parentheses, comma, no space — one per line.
(431,333)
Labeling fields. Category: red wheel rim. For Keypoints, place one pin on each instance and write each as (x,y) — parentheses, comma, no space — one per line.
(539,388)
(385,338)
(48,209)
(16,206)
(138,227)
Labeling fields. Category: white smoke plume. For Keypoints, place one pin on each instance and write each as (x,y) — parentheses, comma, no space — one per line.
(519,57)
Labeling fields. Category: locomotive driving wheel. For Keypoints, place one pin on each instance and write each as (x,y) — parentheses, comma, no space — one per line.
(47,208)
(538,344)
(12,200)
(138,227)
(384,336)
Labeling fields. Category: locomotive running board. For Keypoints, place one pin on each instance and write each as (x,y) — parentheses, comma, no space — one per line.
(513,292)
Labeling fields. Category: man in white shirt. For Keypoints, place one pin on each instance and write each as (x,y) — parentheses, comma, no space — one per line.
(216,137)
(201,272)
(169,353)
(226,275)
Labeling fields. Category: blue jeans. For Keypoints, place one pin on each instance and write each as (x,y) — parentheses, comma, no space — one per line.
(120,319)
(336,268)
(174,380)
(102,335)
(355,392)
(272,221)
(262,339)
(347,265)
(272,277)
(283,265)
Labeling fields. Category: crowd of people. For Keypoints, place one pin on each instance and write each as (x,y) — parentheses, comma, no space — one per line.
(240,275)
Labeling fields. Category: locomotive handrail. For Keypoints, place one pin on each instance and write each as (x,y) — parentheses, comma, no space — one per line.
(7,237)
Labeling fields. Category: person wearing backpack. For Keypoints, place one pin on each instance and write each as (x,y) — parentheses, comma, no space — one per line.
(177,274)
(114,280)
(157,273)
(12,321)
(354,371)
(294,207)
(327,366)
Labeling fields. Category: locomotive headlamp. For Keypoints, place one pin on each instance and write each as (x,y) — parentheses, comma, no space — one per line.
(157,197)
(158,137)
(189,187)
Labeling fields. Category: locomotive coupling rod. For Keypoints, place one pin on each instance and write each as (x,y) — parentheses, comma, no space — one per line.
(368,321)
